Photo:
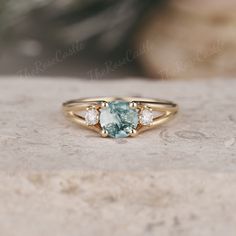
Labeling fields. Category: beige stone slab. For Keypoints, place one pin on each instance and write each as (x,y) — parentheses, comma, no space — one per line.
(36,136)
(166,203)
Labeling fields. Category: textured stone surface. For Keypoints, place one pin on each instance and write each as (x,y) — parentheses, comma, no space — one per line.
(59,179)
(179,203)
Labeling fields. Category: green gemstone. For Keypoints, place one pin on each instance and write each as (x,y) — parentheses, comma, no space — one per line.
(118,119)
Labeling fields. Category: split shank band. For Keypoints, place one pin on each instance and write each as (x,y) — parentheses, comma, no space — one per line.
(165,109)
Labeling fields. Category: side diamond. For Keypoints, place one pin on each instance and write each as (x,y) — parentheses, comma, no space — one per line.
(146,116)
(91,116)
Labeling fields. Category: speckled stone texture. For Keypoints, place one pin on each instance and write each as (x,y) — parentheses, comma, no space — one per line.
(59,179)
(118,119)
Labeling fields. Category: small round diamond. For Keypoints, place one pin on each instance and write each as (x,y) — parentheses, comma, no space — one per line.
(91,116)
(146,117)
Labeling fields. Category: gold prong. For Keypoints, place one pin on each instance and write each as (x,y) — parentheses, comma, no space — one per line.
(133,133)
(104,104)
(104,133)
(133,105)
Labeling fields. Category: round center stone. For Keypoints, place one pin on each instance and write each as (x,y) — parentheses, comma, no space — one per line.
(118,119)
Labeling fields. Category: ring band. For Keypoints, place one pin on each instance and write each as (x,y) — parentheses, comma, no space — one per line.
(119,117)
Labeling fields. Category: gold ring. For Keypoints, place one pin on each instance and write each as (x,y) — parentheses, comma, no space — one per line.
(119,117)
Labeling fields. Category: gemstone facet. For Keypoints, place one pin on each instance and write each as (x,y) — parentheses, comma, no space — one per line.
(146,116)
(91,116)
(118,119)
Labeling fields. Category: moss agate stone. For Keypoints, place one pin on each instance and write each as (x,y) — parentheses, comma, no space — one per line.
(118,119)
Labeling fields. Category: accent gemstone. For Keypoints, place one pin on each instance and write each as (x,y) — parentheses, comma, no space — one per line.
(118,119)
(146,117)
(91,116)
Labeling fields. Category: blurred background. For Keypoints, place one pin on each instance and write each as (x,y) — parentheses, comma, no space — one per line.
(97,39)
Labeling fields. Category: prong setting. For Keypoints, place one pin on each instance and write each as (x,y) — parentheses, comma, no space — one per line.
(133,133)
(104,104)
(133,105)
(104,133)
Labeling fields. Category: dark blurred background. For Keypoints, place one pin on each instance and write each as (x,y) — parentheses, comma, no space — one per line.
(99,39)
